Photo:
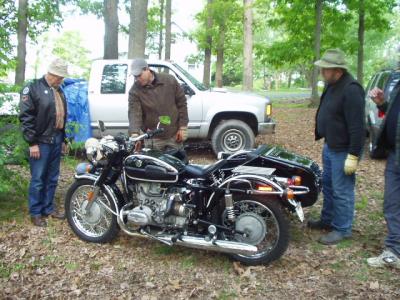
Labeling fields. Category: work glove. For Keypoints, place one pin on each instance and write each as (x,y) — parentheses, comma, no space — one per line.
(138,144)
(182,135)
(350,165)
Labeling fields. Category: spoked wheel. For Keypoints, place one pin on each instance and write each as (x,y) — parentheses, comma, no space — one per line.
(265,226)
(99,224)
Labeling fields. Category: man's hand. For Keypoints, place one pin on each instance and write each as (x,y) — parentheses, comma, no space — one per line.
(377,96)
(64,148)
(181,135)
(350,165)
(34,151)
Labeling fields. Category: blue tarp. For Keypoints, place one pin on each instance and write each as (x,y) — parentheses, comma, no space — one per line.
(78,119)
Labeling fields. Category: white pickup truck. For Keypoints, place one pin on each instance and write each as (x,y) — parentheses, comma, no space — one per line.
(230,120)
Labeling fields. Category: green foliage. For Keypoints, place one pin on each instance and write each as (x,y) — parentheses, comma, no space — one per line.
(12,147)
(7,29)
(69,47)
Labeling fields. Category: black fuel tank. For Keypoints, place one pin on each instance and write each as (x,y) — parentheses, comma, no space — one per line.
(153,166)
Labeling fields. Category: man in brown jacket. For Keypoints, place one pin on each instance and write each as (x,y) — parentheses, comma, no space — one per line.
(155,95)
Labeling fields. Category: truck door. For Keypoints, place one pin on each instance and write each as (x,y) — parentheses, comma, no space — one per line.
(109,100)
(194,102)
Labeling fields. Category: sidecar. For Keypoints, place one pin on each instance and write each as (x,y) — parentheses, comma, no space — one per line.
(286,163)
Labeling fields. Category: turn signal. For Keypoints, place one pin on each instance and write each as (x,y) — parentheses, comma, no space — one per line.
(264,188)
(90,195)
(289,194)
(268,110)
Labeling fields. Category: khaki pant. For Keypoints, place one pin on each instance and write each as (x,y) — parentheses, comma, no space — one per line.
(163,144)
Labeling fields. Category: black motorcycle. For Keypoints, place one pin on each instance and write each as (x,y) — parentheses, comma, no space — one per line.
(235,206)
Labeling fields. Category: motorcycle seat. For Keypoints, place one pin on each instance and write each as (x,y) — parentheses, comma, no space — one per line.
(199,171)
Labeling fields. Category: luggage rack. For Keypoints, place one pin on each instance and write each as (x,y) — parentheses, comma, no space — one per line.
(254,170)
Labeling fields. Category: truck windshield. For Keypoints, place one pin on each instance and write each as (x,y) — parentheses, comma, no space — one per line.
(193,80)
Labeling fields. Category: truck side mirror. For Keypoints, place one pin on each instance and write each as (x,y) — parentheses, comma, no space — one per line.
(101,126)
(187,90)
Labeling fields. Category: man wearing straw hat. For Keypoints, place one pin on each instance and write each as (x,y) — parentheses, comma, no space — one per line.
(340,121)
(43,112)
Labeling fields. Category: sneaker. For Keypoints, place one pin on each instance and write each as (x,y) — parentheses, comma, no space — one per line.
(334,237)
(318,225)
(387,258)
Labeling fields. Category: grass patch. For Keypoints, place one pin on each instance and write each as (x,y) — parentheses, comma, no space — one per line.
(14,204)
(189,262)
(279,104)
(71,266)
(345,244)
(226,295)
(362,204)
(161,250)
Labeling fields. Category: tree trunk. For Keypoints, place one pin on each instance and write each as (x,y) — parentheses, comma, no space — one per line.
(317,51)
(361,32)
(220,57)
(111,23)
(22,32)
(207,50)
(137,28)
(289,79)
(248,46)
(161,37)
(168,16)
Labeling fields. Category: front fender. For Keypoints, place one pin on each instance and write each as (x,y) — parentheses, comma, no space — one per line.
(112,190)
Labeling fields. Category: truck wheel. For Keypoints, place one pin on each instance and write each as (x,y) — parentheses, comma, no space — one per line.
(232,136)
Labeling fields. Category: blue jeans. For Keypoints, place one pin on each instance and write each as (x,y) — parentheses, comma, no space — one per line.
(338,191)
(44,178)
(391,204)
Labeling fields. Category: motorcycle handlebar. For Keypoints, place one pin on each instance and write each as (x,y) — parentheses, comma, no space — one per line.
(148,135)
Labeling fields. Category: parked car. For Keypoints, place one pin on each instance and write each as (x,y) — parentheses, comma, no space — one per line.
(231,121)
(386,81)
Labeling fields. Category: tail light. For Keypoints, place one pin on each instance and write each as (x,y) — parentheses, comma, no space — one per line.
(264,188)
(295,180)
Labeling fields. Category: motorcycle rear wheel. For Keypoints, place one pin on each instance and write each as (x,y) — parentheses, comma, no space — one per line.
(100,226)
(272,243)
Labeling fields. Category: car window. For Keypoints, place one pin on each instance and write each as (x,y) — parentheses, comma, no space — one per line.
(371,83)
(113,80)
(382,80)
(166,70)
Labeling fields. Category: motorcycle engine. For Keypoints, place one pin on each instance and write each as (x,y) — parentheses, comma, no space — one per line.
(157,207)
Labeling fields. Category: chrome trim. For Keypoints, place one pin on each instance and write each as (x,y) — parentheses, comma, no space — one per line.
(149,180)
(247,177)
(141,156)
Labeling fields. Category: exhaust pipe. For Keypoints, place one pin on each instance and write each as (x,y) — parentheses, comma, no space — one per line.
(213,245)
(222,246)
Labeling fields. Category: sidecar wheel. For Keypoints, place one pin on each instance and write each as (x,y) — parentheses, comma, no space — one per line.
(271,238)
(98,227)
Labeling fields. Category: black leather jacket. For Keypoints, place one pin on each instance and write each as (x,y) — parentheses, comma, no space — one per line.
(38,112)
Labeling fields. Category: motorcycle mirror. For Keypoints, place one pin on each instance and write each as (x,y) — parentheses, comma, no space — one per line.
(101,126)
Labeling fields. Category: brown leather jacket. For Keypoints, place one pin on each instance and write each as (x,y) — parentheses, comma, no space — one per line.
(164,97)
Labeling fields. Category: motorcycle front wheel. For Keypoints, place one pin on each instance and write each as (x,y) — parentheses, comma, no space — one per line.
(99,224)
(265,225)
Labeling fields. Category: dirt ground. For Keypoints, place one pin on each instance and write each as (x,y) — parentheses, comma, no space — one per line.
(54,263)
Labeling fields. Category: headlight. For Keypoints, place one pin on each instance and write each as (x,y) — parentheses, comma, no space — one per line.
(91,146)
